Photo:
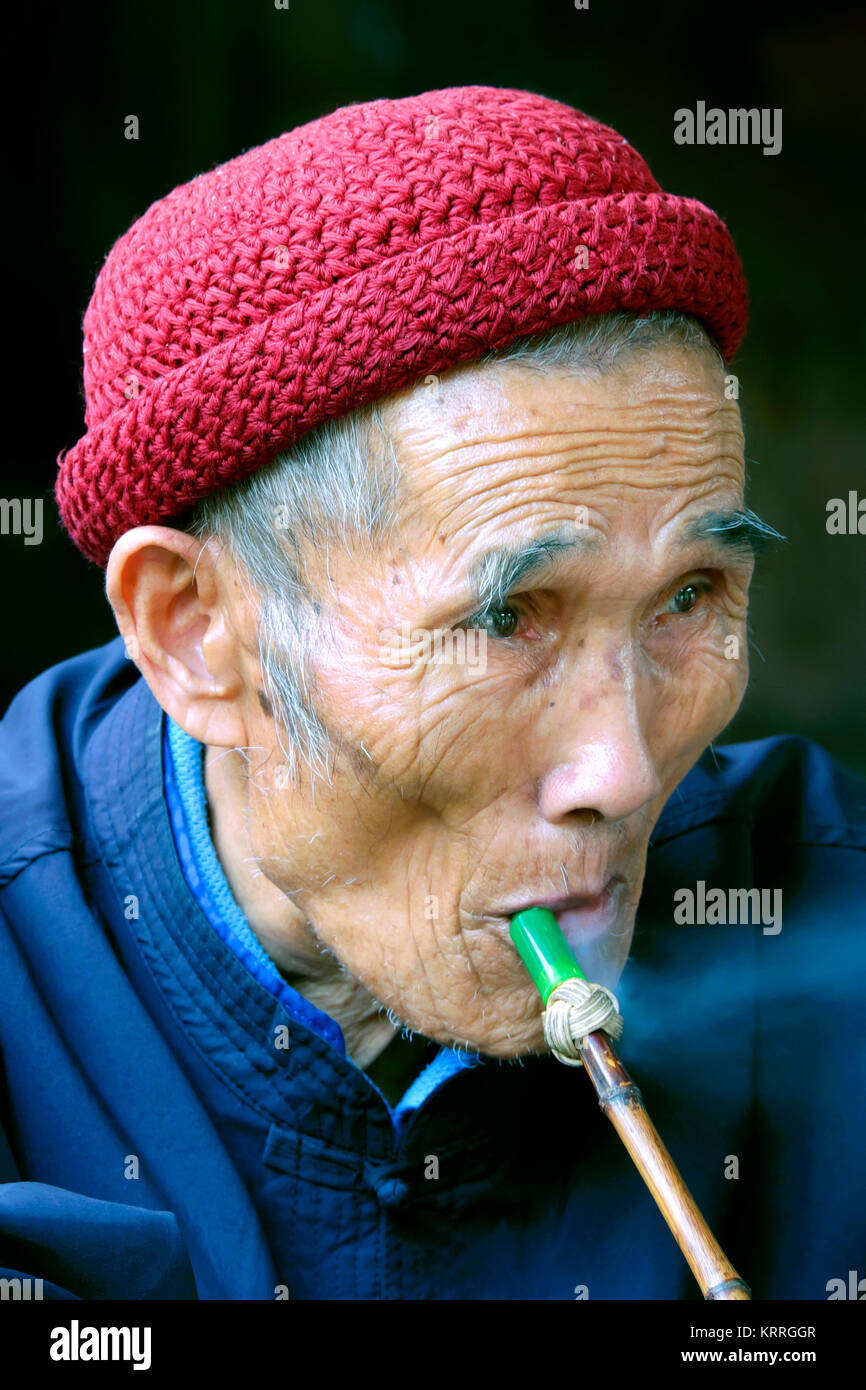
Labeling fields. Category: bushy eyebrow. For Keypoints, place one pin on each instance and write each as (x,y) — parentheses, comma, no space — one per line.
(740,531)
(497,572)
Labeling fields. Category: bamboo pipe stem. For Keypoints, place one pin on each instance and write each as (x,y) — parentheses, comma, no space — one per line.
(551,964)
(623,1105)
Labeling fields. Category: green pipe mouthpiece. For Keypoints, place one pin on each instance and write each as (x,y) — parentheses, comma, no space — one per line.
(544,950)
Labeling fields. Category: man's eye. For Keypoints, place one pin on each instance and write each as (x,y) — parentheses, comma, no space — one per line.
(499,622)
(686,598)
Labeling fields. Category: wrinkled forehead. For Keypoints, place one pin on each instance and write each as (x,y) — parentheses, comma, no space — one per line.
(660,418)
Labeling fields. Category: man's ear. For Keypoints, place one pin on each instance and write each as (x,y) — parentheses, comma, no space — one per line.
(173,597)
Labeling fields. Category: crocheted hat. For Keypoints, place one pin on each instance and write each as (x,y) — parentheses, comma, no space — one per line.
(349,257)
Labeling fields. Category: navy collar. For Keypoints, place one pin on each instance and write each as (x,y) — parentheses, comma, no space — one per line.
(223,1010)
(186,798)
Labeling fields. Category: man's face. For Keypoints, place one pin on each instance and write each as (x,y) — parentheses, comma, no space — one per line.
(527,767)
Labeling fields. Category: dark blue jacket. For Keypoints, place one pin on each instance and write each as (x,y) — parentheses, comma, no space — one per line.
(154,1143)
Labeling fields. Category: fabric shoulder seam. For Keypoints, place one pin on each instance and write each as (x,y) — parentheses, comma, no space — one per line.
(7,878)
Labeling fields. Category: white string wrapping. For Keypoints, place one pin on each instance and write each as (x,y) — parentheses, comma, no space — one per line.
(575,1008)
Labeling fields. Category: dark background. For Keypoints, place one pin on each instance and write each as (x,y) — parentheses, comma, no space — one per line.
(209,80)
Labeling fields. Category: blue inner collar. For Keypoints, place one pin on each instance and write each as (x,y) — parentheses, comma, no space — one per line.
(187,806)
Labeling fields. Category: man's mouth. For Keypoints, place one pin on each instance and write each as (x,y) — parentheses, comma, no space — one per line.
(582,917)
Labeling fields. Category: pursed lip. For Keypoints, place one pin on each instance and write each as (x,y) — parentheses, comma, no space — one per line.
(594,897)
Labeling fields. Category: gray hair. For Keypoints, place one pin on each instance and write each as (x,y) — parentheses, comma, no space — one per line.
(341,484)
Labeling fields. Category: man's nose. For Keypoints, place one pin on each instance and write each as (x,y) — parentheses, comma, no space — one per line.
(609,770)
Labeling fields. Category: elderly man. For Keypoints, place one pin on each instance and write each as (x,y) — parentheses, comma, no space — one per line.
(416,469)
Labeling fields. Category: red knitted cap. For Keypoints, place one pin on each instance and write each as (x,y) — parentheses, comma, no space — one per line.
(349,257)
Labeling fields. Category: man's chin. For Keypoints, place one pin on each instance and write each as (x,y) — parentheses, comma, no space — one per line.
(505,1039)
(526,1038)
(505,1021)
